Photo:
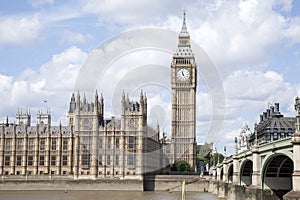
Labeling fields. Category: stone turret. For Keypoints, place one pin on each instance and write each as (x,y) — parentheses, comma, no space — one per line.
(44,118)
(78,99)
(88,107)
(101,106)
(72,104)
(23,118)
(134,114)
(98,108)
(80,106)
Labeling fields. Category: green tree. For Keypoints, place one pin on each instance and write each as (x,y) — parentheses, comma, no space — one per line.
(182,166)
(205,160)
(204,152)
(217,157)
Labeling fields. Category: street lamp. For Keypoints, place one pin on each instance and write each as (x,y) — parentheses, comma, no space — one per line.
(236,147)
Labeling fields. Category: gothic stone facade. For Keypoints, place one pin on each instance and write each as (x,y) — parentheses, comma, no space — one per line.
(89,147)
(93,147)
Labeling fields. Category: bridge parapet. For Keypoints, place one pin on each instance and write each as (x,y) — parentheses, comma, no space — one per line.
(276,145)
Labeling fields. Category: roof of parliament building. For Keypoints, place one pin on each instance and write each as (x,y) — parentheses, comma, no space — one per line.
(273,126)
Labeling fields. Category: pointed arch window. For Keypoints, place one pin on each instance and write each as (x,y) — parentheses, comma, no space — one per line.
(275,134)
(131,123)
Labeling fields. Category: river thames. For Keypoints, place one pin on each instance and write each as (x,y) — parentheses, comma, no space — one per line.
(96,195)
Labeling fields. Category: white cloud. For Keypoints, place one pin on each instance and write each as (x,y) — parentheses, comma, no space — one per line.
(238,34)
(256,85)
(54,82)
(249,92)
(284,5)
(5,83)
(73,38)
(159,111)
(19,29)
(247,10)
(40,3)
(293,31)
(130,12)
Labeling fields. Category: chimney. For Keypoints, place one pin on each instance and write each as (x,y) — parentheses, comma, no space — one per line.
(113,121)
(268,113)
(265,115)
(277,107)
(261,118)
(272,110)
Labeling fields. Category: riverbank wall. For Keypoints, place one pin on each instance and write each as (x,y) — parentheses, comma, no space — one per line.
(193,183)
(168,183)
(229,191)
(150,183)
(126,185)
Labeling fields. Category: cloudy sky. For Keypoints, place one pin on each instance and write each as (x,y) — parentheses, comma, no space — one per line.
(253,46)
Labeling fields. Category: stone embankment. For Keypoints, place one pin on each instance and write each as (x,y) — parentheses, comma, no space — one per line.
(150,183)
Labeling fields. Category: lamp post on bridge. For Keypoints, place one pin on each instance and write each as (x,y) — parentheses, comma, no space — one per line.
(235,163)
(256,161)
(225,166)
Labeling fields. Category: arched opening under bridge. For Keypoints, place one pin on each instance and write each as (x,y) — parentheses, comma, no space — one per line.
(277,174)
(246,173)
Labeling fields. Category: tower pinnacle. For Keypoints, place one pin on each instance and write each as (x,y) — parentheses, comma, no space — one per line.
(184,44)
(183,32)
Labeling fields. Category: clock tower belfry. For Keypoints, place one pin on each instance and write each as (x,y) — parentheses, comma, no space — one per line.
(184,83)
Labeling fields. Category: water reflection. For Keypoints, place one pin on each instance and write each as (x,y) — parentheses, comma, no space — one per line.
(93,195)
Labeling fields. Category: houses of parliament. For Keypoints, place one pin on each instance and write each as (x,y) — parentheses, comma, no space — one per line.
(91,147)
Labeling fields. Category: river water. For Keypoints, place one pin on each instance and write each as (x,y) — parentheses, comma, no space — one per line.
(98,195)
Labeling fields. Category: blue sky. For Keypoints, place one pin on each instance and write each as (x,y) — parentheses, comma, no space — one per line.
(255,46)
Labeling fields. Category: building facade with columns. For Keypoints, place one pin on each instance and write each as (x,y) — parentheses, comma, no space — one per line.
(88,147)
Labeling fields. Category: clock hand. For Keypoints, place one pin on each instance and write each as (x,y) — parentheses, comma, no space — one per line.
(182,73)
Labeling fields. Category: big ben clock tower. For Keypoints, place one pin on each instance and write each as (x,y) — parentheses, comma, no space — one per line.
(184,83)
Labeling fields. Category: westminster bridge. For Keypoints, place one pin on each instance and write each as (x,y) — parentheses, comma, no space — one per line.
(272,166)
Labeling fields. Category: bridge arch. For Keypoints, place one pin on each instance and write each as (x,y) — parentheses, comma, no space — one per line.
(246,172)
(215,175)
(221,173)
(277,170)
(230,174)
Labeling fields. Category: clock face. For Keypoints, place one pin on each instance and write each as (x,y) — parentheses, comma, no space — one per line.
(183,74)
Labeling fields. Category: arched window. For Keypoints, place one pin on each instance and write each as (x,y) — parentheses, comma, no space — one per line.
(275,135)
(131,123)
